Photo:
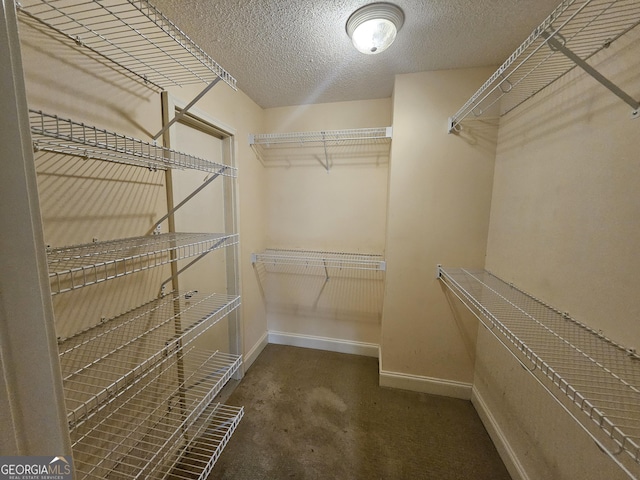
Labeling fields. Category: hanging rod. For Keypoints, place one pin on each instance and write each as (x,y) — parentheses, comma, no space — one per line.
(582,27)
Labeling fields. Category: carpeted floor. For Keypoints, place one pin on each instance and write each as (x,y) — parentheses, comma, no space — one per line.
(312,414)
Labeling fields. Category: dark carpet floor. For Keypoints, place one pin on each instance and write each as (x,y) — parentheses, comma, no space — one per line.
(312,414)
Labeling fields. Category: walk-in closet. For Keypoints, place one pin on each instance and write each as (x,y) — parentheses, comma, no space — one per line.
(239,241)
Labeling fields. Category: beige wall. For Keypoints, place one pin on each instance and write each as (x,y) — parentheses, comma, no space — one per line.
(564,227)
(343,210)
(439,199)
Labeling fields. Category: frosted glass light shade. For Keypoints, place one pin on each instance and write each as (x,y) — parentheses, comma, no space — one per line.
(373,28)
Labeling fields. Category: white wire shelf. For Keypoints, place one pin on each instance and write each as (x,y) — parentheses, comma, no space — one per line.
(77,266)
(134,35)
(577,364)
(281,259)
(54,134)
(101,363)
(572,34)
(294,148)
(170,427)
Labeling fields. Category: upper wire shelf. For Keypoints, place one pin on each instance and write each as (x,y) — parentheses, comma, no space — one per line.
(309,258)
(169,426)
(134,35)
(54,134)
(573,33)
(77,266)
(578,364)
(274,149)
(104,361)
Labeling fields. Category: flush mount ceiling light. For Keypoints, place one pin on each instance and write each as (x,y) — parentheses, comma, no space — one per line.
(373,27)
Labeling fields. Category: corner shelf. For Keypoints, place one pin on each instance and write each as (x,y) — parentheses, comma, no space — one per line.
(77,266)
(54,134)
(572,34)
(103,362)
(582,369)
(132,34)
(284,149)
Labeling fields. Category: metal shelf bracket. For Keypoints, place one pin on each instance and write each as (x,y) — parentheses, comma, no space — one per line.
(558,44)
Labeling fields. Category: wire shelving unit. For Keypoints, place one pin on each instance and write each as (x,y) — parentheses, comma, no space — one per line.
(597,378)
(570,36)
(294,148)
(140,393)
(347,285)
(103,362)
(132,34)
(54,134)
(282,258)
(170,426)
(77,266)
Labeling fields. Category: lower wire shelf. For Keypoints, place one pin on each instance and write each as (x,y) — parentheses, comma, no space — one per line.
(169,427)
(105,361)
(595,379)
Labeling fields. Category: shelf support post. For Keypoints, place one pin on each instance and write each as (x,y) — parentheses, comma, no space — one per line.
(183,112)
(555,44)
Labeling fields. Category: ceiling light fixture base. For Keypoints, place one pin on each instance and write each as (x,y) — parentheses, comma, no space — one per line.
(373,28)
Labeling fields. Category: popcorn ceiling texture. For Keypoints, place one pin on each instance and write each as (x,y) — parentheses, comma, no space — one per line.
(295,52)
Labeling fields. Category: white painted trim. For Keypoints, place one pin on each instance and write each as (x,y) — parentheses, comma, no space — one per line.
(507,454)
(256,350)
(433,386)
(324,343)
(201,114)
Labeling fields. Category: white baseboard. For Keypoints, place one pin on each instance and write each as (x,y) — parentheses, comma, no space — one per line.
(433,386)
(252,354)
(507,454)
(324,343)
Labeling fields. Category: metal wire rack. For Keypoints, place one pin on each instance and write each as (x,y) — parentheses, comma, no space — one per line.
(347,285)
(169,427)
(572,34)
(579,365)
(134,35)
(273,149)
(77,266)
(102,362)
(54,134)
(281,258)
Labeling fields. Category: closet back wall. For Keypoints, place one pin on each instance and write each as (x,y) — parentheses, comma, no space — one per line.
(344,210)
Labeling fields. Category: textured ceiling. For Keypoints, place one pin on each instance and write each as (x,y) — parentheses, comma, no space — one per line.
(293,52)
